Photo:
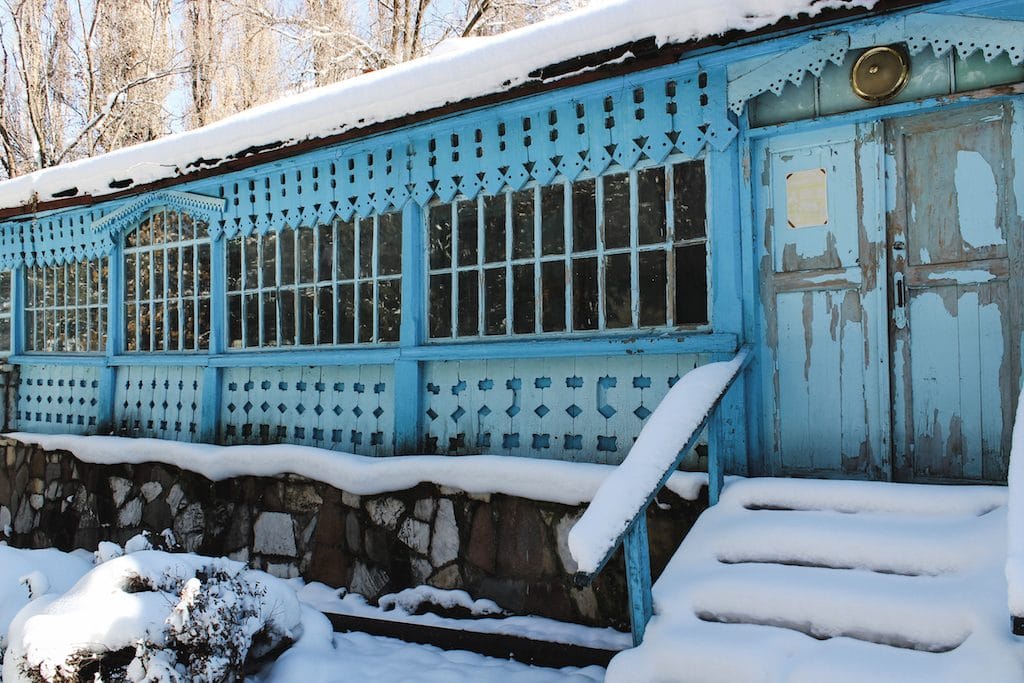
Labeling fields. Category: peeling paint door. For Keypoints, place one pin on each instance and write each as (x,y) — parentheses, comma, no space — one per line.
(954,253)
(820,213)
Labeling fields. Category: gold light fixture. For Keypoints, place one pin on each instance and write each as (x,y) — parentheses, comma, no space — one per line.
(880,73)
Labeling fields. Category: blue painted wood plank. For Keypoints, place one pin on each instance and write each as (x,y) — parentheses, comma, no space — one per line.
(638,576)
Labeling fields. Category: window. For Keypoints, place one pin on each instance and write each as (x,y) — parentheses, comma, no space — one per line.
(623,251)
(167,284)
(337,283)
(5,312)
(66,307)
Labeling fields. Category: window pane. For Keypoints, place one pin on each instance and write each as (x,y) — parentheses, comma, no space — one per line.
(616,211)
(390,309)
(307,255)
(173,326)
(440,306)
(325,313)
(652,288)
(173,272)
(691,285)
(389,244)
(269,318)
(171,225)
(252,262)
(690,191)
(366,247)
(235,321)
(584,216)
(346,314)
(523,297)
(286,311)
(494,228)
(366,309)
(189,307)
(346,250)
(325,268)
(286,238)
(440,236)
(552,207)
(269,260)
(494,301)
(617,290)
(651,195)
(553,292)
(252,320)
(522,224)
(584,294)
(469,298)
(307,313)
(467,232)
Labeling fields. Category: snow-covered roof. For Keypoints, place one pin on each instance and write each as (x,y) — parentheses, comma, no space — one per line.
(459,72)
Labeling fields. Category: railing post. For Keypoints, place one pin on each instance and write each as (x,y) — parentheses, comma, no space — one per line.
(638,576)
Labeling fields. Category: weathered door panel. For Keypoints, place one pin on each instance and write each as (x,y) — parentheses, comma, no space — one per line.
(954,254)
(820,210)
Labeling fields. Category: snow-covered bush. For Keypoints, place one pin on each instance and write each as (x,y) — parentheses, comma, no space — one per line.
(152,616)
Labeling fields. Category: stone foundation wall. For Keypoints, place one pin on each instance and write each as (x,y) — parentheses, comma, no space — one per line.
(510,550)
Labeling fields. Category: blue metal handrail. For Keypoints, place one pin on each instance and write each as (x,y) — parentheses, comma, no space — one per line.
(634,537)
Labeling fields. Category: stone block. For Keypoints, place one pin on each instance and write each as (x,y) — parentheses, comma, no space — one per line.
(369,582)
(377,545)
(5,520)
(420,570)
(424,509)
(385,512)
(351,499)
(562,539)
(448,578)
(415,534)
(175,498)
(188,527)
(274,534)
(24,520)
(36,500)
(444,543)
(301,497)
(482,547)
(156,515)
(150,490)
(120,488)
(353,532)
(523,547)
(130,515)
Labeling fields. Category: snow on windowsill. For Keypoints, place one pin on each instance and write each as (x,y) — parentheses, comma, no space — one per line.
(554,481)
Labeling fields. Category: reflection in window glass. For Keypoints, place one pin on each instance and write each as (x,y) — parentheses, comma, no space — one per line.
(167,283)
(637,256)
(66,307)
(5,307)
(335,283)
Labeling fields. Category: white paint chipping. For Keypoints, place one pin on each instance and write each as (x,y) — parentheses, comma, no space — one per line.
(553,481)
(976,200)
(964,277)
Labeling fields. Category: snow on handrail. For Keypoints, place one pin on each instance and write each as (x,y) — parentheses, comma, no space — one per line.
(627,492)
(1014,522)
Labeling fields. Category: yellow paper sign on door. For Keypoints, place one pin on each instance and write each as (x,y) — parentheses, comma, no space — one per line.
(807,198)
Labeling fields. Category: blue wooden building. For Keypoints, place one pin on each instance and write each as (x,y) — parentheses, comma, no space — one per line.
(528,270)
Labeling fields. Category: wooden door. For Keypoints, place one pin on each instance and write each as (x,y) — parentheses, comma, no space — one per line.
(820,214)
(954,255)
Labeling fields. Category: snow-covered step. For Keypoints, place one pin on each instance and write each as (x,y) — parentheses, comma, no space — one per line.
(793,581)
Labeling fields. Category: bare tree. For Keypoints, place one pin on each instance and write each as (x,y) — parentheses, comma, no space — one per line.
(81,77)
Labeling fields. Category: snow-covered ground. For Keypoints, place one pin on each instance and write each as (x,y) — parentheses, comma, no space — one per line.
(54,603)
(802,581)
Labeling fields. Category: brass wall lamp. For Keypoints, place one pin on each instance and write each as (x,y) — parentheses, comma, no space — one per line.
(880,73)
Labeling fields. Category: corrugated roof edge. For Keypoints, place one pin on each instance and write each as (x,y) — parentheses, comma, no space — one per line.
(621,59)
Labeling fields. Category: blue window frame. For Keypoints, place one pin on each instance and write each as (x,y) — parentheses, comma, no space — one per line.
(167,283)
(66,307)
(335,283)
(627,250)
